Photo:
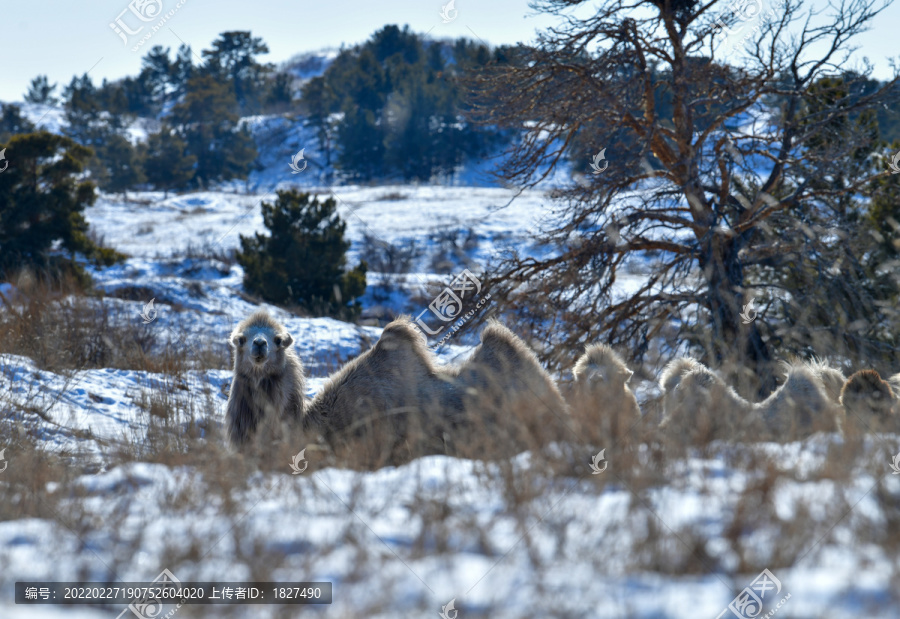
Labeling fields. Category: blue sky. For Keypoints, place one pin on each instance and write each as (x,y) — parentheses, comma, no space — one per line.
(61,38)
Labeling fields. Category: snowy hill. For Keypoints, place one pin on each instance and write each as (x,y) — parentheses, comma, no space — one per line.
(308,65)
(652,536)
(127,473)
(152,229)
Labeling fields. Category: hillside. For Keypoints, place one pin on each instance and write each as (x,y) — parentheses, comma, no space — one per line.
(625,543)
(628,188)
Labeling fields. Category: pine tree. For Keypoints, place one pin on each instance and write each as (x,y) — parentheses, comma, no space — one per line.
(13,123)
(113,99)
(883,214)
(207,120)
(42,202)
(157,73)
(182,70)
(138,96)
(167,164)
(280,92)
(233,59)
(119,163)
(395,106)
(82,107)
(362,143)
(302,260)
(41,91)
(318,102)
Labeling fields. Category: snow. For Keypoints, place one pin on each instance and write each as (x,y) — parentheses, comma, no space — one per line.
(380,508)
(308,65)
(149,225)
(48,117)
(203,295)
(577,548)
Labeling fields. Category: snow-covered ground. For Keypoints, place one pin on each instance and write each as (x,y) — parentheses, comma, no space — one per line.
(150,226)
(575,549)
(163,236)
(404,541)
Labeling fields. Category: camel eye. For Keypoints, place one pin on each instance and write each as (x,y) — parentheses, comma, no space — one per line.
(278,340)
(242,339)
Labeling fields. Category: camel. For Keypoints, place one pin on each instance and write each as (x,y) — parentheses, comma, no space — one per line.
(393,396)
(507,395)
(699,402)
(870,402)
(600,396)
(268,382)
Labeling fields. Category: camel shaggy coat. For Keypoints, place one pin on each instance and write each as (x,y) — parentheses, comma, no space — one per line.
(268,382)
(393,389)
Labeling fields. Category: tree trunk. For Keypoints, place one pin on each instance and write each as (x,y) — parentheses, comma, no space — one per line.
(730,338)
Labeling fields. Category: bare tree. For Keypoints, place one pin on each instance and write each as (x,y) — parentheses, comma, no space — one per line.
(729,176)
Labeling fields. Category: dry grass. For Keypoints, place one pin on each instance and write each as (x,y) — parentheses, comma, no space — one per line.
(182,419)
(62,327)
(182,433)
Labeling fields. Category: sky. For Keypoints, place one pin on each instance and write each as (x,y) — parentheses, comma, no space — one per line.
(61,38)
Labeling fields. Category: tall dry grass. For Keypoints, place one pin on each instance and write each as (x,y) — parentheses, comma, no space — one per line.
(183,419)
(62,326)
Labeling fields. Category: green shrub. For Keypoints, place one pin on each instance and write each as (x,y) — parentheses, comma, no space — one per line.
(42,202)
(303,260)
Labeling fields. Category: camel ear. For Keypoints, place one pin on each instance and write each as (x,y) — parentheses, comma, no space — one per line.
(238,340)
(622,376)
(286,340)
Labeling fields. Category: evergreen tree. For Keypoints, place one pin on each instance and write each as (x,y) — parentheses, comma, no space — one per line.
(399,101)
(362,143)
(182,70)
(361,133)
(366,83)
(302,260)
(41,91)
(207,120)
(318,101)
(138,96)
(280,93)
(42,202)
(95,115)
(883,214)
(82,109)
(233,58)
(391,41)
(157,74)
(167,165)
(12,122)
(117,165)
(113,100)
